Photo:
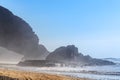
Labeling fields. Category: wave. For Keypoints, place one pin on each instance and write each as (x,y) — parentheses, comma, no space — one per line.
(93,72)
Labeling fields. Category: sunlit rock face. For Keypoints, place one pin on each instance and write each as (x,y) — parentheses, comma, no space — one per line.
(18,36)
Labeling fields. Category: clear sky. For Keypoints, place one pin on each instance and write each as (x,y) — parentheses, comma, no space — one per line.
(92,25)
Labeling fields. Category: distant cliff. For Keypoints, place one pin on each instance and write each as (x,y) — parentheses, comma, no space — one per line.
(18,36)
(66,56)
(70,55)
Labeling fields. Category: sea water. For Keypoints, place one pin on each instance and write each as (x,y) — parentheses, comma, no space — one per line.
(111,72)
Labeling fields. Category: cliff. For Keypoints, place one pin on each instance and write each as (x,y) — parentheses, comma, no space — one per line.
(70,55)
(18,36)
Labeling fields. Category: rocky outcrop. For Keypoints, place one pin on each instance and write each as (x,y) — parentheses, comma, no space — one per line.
(18,36)
(70,55)
(38,63)
(66,56)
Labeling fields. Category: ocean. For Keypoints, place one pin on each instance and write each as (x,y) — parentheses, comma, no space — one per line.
(111,72)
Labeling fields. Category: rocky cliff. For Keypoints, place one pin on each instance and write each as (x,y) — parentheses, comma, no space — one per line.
(70,55)
(18,36)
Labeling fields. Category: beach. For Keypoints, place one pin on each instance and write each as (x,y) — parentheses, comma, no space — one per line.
(111,72)
(6,74)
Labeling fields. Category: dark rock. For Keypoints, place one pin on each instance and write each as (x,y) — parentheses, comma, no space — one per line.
(18,36)
(37,63)
(67,54)
(70,56)
(100,62)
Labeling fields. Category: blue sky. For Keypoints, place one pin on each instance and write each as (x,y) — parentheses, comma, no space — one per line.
(92,25)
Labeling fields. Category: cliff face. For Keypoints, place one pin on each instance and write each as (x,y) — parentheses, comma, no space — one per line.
(67,54)
(70,55)
(18,36)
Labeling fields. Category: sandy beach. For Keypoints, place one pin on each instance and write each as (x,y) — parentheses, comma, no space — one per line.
(22,75)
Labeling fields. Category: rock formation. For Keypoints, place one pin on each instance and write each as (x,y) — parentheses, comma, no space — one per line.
(70,55)
(67,54)
(18,36)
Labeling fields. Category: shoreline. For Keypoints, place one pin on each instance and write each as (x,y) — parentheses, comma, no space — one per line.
(7,74)
(74,73)
(63,71)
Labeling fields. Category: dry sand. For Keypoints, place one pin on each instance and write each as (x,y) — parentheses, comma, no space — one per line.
(21,75)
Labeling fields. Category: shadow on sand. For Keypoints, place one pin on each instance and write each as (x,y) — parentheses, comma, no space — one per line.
(7,78)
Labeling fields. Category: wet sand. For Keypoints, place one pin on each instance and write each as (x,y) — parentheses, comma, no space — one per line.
(6,74)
